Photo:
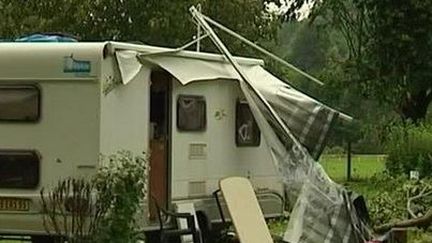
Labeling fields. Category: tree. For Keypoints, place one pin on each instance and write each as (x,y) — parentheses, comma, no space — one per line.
(307,49)
(163,22)
(22,17)
(389,48)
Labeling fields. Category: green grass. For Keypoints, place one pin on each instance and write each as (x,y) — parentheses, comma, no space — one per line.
(362,166)
(5,240)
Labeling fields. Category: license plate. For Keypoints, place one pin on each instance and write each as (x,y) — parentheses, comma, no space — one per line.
(14,204)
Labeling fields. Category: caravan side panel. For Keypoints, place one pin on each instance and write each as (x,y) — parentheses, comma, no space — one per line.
(66,138)
(198,176)
(125,112)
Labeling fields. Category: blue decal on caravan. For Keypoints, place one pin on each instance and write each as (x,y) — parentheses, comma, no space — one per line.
(72,65)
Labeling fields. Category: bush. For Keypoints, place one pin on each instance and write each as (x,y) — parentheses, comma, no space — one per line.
(121,190)
(104,208)
(69,210)
(388,203)
(335,150)
(409,147)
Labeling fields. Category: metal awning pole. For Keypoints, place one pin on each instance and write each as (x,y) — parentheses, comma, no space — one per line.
(262,50)
(202,21)
(224,50)
(198,45)
(182,48)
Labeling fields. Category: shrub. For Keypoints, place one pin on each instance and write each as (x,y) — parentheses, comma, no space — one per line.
(388,203)
(69,210)
(421,236)
(104,208)
(335,150)
(121,189)
(409,147)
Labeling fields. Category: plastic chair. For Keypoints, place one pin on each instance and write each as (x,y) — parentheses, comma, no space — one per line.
(167,233)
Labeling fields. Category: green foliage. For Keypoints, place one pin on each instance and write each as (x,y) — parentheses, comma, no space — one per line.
(409,147)
(368,129)
(121,190)
(387,42)
(21,17)
(389,201)
(363,166)
(335,150)
(162,22)
(420,236)
(104,208)
(277,227)
(70,210)
(306,49)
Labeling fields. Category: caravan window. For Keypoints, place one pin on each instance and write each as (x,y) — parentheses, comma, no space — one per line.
(19,169)
(247,131)
(191,113)
(19,103)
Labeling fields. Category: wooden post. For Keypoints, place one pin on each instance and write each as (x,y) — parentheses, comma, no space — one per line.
(349,161)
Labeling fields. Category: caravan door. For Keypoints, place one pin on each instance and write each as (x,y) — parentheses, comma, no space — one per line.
(160,96)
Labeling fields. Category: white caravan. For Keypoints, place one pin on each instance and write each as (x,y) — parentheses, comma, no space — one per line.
(64,104)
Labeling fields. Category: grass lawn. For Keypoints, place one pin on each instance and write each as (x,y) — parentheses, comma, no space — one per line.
(24,239)
(362,166)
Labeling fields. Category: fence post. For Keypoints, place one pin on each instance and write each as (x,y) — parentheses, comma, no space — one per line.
(348,161)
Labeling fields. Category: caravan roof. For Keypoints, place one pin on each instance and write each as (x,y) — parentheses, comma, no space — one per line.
(46,61)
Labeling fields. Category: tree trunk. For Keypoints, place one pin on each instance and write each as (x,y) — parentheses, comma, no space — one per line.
(415,106)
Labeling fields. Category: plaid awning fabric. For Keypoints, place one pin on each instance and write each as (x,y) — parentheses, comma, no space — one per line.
(323,211)
(308,120)
(325,219)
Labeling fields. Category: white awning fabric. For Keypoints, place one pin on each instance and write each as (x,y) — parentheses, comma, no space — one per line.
(128,65)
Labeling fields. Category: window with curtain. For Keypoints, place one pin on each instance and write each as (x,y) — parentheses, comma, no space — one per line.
(191,113)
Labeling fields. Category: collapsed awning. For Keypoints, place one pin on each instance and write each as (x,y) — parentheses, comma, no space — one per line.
(308,119)
(294,126)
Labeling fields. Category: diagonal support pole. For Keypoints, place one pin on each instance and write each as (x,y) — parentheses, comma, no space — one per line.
(262,50)
(224,50)
(202,20)
(182,48)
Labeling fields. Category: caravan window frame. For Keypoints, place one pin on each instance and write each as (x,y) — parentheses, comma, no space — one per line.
(256,132)
(38,110)
(203,126)
(36,156)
